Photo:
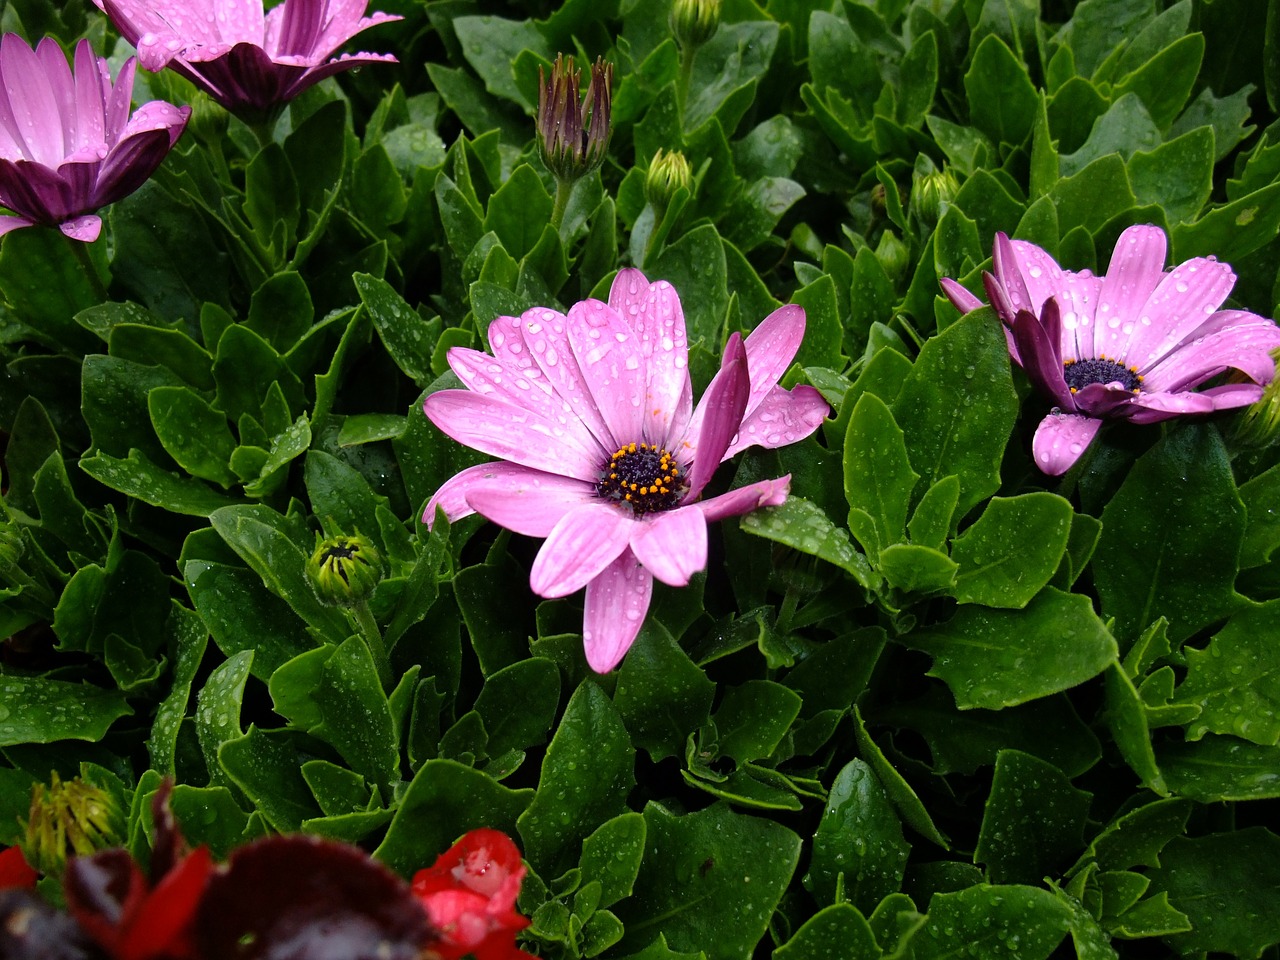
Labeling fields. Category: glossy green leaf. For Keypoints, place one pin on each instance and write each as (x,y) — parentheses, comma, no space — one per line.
(837,931)
(998,658)
(1002,100)
(661,695)
(878,479)
(802,525)
(42,710)
(1021,923)
(1012,550)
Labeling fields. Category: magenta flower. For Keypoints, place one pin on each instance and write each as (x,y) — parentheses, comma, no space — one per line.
(68,144)
(605,454)
(248,60)
(1131,345)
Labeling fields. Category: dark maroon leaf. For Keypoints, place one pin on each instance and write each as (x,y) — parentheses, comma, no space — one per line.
(299,898)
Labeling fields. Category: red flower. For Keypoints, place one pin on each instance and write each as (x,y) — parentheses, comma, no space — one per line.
(112,901)
(15,871)
(470,893)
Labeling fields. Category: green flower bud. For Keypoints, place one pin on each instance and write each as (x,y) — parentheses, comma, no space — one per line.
(668,172)
(1256,426)
(574,130)
(344,570)
(893,255)
(11,547)
(209,118)
(71,819)
(694,22)
(929,192)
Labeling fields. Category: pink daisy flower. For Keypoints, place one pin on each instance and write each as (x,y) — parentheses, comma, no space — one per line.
(249,60)
(603,452)
(1131,345)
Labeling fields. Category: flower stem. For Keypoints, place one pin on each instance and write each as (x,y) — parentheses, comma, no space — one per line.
(787,612)
(81,251)
(564,189)
(372,635)
(686,77)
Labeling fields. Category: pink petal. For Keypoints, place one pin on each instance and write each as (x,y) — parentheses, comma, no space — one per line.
(63,86)
(1154,407)
(960,298)
(545,338)
(664,347)
(1244,346)
(616,603)
(452,495)
(763,493)
(37,126)
(8,223)
(92,91)
(770,349)
(583,542)
(1060,440)
(531,504)
(488,376)
(1136,269)
(1039,341)
(673,545)
(785,416)
(243,21)
(1231,395)
(1034,276)
(718,417)
(628,293)
(85,229)
(509,432)
(1183,301)
(609,355)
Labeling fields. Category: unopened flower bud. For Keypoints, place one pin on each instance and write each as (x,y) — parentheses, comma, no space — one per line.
(344,570)
(573,130)
(694,22)
(893,255)
(668,172)
(1258,425)
(929,191)
(209,118)
(71,819)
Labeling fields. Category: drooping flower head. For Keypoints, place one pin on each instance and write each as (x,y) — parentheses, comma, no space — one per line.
(574,129)
(469,895)
(249,60)
(68,143)
(602,451)
(1132,345)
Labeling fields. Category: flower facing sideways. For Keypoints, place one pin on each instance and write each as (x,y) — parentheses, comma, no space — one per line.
(249,60)
(1131,345)
(604,453)
(469,895)
(68,143)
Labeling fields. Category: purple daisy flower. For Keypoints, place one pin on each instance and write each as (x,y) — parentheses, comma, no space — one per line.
(250,61)
(68,144)
(1131,345)
(603,452)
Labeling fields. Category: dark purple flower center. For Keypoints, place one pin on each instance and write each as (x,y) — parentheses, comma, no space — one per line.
(643,476)
(1080,373)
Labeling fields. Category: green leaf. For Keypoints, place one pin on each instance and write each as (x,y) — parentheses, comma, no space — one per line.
(586,776)
(1227,884)
(878,479)
(265,765)
(839,930)
(218,711)
(1176,176)
(709,881)
(41,276)
(1127,719)
(378,196)
(1022,923)
(1012,550)
(1165,81)
(1094,195)
(1136,838)
(1221,768)
(1171,537)
(1034,820)
(802,525)
(661,695)
(281,311)
(444,801)
(518,705)
(519,211)
(611,856)
(1232,231)
(140,478)
(192,432)
(1235,680)
(904,798)
(753,718)
(41,710)
(858,848)
(999,658)
(931,522)
(1002,99)
(958,406)
(915,569)
(726,70)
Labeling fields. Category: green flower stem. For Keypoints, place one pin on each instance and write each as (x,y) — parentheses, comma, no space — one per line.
(787,612)
(564,189)
(81,251)
(687,53)
(373,637)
